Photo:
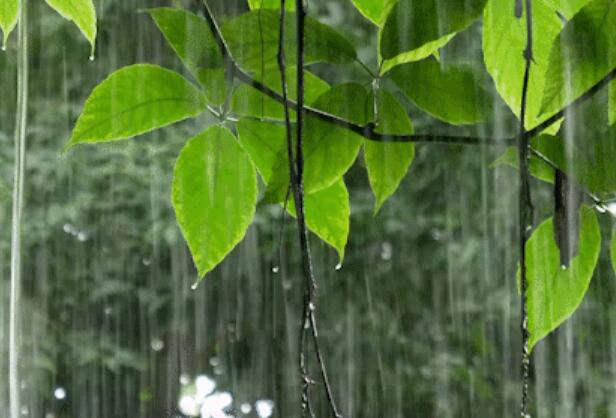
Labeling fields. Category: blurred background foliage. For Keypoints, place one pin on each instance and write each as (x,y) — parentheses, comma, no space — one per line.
(421,321)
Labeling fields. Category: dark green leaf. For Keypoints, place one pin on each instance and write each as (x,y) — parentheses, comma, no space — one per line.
(582,54)
(388,163)
(417,28)
(253,40)
(134,100)
(214,195)
(452,94)
(554,293)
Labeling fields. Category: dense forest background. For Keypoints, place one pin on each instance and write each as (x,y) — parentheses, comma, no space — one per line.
(421,320)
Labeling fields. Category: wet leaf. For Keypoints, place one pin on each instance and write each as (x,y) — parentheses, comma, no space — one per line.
(581,55)
(417,28)
(374,10)
(504,41)
(9,11)
(612,104)
(555,293)
(271,4)
(613,248)
(568,8)
(253,40)
(135,100)
(388,163)
(82,13)
(249,101)
(452,94)
(328,215)
(214,195)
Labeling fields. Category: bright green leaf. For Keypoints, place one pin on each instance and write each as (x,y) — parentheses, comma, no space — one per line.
(418,28)
(9,11)
(554,293)
(387,162)
(134,100)
(82,13)
(264,142)
(191,38)
(214,195)
(249,101)
(567,7)
(452,94)
(582,54)
(271,4)
(253,40)
(328,215)
(374,10)
(612,104)
(504,40)
(613,248)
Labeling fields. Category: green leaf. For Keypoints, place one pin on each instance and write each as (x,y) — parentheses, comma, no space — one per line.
(504,40)
(190,37)
(253,40)
(9,11)
(271,4)
(583,53)
(612,104)
(387,162)
(554,293)
(418,28)
(214,195)
(452,94)
(249,101)
(264,142)
(613,248)
(375,10)
(134,100)
(82,13)
(536,166)
(567,7)
(328,215)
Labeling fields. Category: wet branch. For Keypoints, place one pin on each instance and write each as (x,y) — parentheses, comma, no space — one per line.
(525,208)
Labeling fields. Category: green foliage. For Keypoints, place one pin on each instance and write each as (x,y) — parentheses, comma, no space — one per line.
(567,7)
(374,10)
(583,53)
(82,13)
(547,146)
(504,40)
(554,293)
(613,248)
(452,94)
(9,10)
(418,28)
(612,104)
(214,195)
(271,4)
(134,100)
(253,40)
(388,163)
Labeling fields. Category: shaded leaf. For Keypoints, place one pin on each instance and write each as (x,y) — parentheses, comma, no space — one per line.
(613,248)
(253,40)
(555,293)
(548,146)
(452,94)
(388,163)
(9,12)
(583,53)
(328,215)
(271,4)
(612,104)
(82,13)
(374,10)
(418,28)
(568,8)
(214,195)
(134,100)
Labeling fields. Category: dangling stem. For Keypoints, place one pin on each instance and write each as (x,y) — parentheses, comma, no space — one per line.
(18,198)
(525,209)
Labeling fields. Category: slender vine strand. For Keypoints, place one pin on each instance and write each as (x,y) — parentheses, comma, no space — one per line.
(525,209)
(18,202)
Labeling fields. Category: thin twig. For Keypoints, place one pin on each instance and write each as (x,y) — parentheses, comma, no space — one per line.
(525,209)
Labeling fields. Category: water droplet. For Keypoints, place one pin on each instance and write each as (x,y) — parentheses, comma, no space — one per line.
(275,269)
(157,344)
(214,361)
(217,371)
(68,228)
(600,208)
(245,408)
(92,57)
(146,261)
(386,251)
(184,379)
(194,286)
(338,267)
(82,236)
(4,47)
(311,306)
(562,266)
(108,310)
(529,228)
(59,393)
(264,408)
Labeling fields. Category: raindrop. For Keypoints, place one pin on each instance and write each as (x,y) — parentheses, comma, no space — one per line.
(562,266)
(194,286)
(245,408)
(59,393)
(157,344)
(82,236)
(264,408)
(275,269)
(611,208)
(68,228)
(205,385)
(188,406)
(92,57)
(311,306)
(386,250)
(338,267)
(4,47)
(184,379)
(218,371)
(214,361)
(24,410)
(108,310)
(600,208)
(146,262)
